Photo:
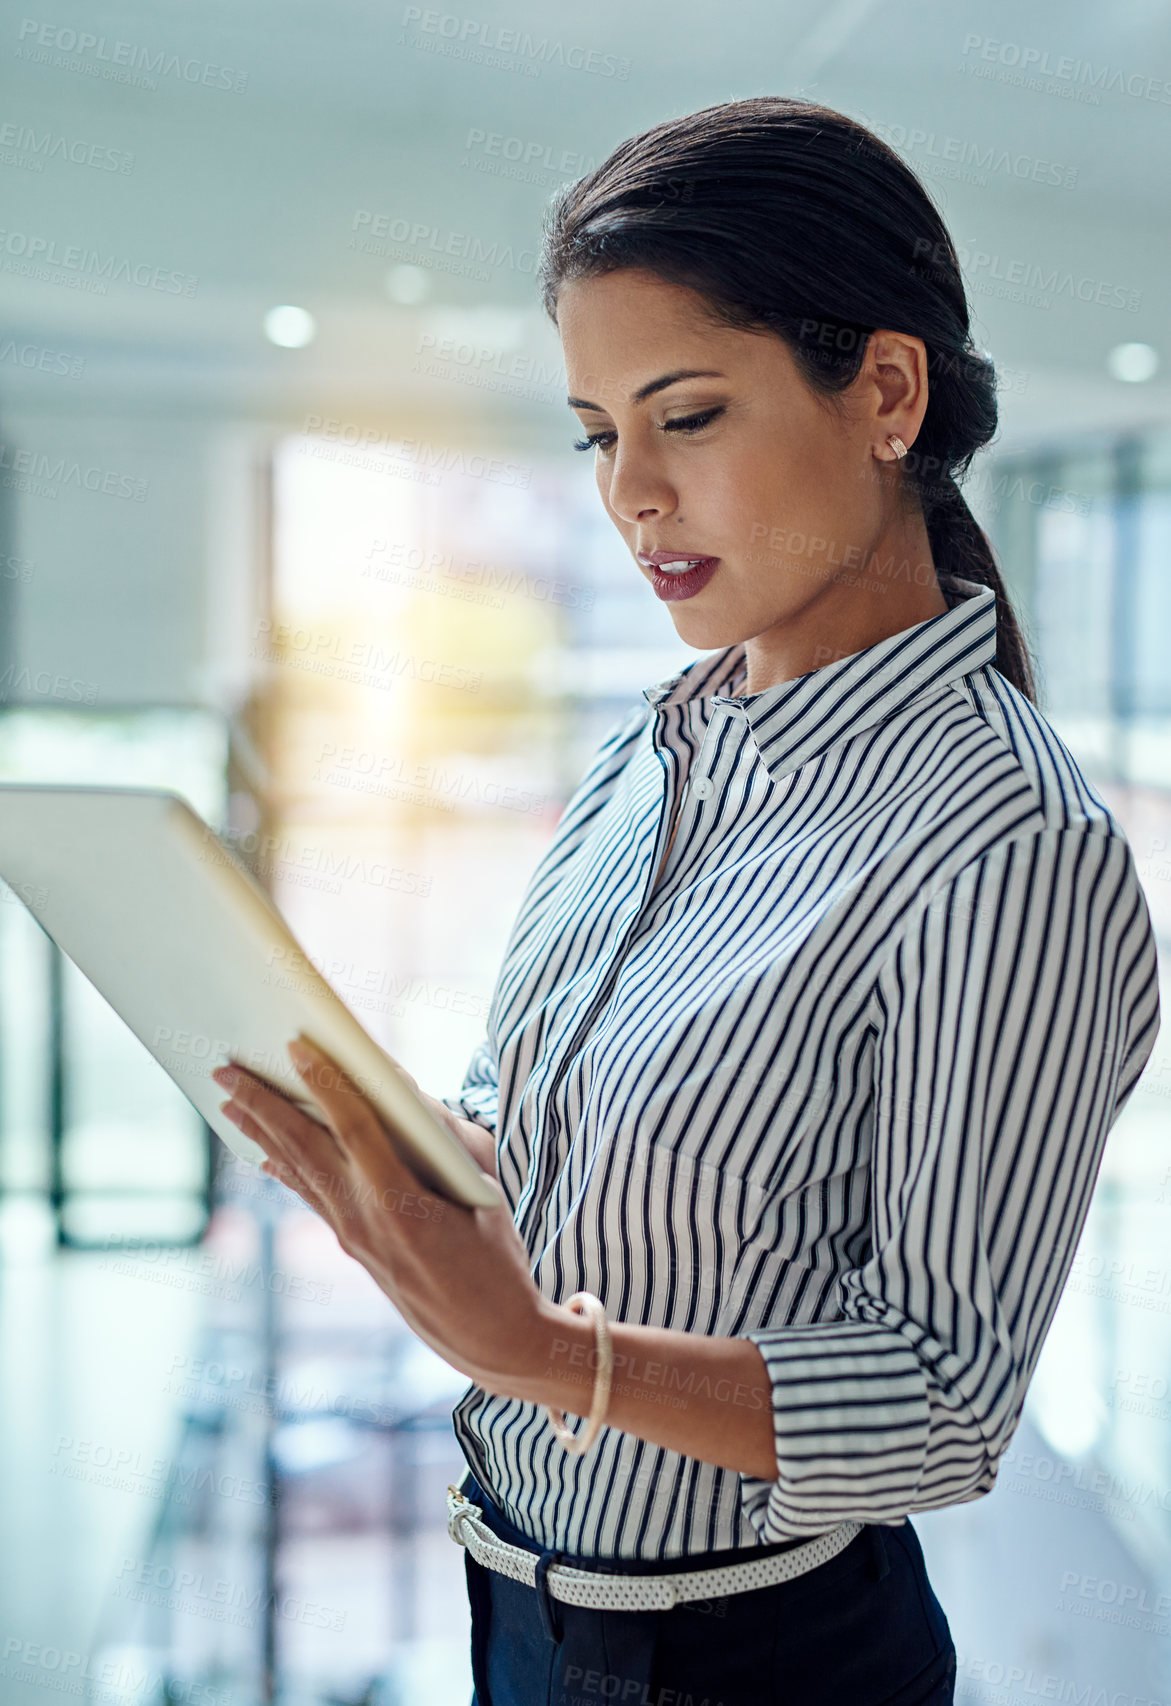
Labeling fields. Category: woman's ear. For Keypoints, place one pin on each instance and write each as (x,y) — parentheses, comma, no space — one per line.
(895,369)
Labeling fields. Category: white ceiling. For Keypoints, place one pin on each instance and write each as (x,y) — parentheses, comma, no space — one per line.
(345,108)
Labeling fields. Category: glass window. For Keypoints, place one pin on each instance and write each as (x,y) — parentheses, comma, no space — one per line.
(88,1113)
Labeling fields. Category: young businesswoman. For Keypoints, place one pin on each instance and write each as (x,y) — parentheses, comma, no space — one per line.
(820,1001)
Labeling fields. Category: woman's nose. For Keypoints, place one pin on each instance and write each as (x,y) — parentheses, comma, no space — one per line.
(639,495)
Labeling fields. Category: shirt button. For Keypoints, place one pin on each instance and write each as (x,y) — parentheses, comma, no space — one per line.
(703,788)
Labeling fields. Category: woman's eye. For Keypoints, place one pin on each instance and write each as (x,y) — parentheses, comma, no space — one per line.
(684,423)
(593,439)
(691,423)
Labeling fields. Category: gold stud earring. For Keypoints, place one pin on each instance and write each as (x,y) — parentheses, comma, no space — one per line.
(897,445)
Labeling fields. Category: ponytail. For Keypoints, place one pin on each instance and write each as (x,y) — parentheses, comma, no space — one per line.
(958,541)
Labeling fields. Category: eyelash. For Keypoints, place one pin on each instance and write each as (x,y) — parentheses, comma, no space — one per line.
(685,423)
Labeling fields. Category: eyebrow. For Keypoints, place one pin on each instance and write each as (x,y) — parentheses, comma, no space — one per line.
(653,385)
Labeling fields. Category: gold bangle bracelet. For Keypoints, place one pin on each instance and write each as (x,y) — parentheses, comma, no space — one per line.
(585,1303)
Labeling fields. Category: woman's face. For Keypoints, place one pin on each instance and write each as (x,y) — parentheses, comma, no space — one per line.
(730,455)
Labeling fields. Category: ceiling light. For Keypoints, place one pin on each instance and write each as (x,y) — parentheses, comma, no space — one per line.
(291,328)
(407,284)
(1133,362)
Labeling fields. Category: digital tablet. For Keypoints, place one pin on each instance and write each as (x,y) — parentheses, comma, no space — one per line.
(173,930)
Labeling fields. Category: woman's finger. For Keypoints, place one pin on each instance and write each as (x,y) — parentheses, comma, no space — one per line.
(317,1169)
(279,1164)
(281,1120)
(357,1127)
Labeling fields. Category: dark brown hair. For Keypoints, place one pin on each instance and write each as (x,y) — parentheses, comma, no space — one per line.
(789,217)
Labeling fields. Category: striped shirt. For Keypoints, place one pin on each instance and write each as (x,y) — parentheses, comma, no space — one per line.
(837,1079)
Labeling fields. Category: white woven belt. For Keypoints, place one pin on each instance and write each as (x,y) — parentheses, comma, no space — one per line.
(630,1592)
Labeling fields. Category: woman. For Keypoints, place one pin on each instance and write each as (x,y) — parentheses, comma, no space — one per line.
(819,1004)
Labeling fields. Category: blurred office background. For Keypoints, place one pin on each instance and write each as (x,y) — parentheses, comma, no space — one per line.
(289,522)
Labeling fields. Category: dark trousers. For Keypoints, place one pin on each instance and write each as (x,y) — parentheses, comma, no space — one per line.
(864,1629)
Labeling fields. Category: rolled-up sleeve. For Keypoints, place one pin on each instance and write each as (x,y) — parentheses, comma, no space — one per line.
(1011,1019)
(479,1095)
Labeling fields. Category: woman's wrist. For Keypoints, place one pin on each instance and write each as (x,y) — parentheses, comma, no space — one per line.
(554,1365)
(707,1397)
(479,1142)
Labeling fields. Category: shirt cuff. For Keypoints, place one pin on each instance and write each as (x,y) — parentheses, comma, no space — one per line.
(851,1418)
(475,1104)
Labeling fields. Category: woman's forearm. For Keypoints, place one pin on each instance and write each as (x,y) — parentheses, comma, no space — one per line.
(703,1396)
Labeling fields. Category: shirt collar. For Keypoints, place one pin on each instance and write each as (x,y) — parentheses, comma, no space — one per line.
(799,719)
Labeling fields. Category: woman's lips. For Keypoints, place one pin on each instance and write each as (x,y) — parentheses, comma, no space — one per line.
(671,585)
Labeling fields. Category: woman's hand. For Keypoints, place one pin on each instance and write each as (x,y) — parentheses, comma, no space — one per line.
(476,1139)
(460,1277)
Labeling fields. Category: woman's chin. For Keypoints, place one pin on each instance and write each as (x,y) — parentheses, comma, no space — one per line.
(711,630)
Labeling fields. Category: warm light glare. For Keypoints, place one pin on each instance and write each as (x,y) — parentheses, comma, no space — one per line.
(291,328)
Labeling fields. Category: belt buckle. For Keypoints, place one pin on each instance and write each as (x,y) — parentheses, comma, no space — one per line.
(459,1509)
